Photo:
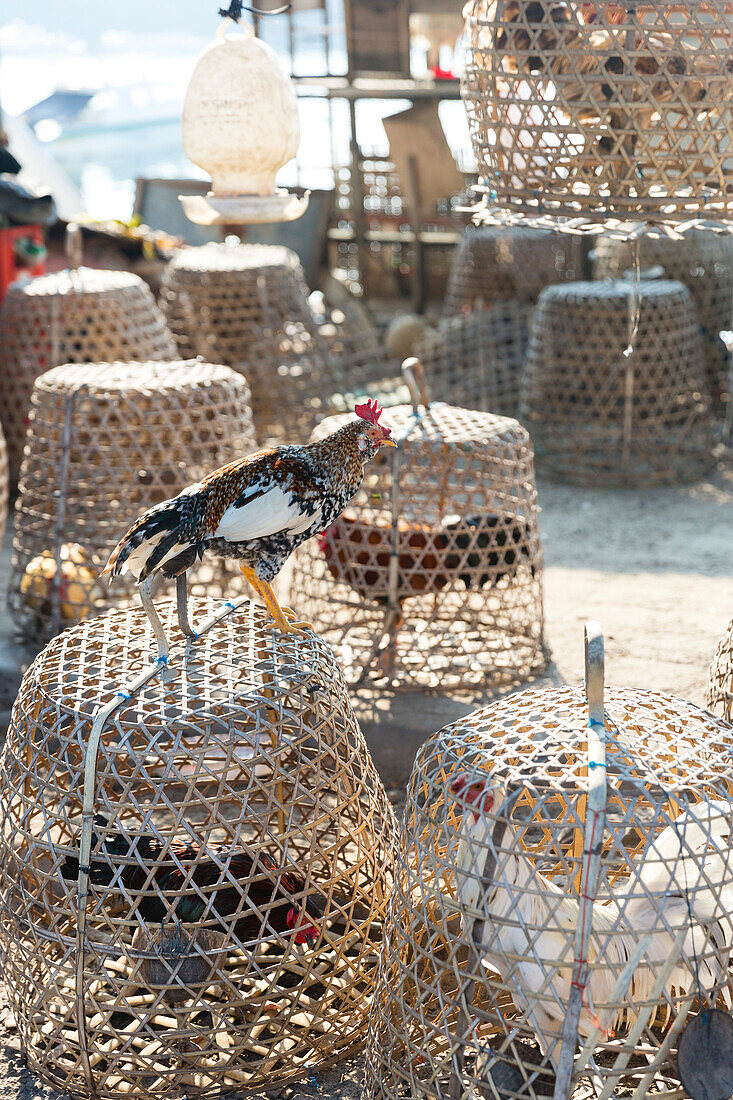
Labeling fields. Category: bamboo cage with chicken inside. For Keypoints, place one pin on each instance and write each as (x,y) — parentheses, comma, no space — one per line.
(503,263)
(614,390)
(701,259)
(106,441)
(596,111)
(240,864)
(505,810)
(76,316)
(477,358)
(247,306)
(720,683)
(432,576)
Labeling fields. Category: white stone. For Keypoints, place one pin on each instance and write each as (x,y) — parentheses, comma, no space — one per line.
(240,116)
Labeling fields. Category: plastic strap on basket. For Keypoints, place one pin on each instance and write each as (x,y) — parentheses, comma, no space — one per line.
(101,716)
(594,828)
(413,373)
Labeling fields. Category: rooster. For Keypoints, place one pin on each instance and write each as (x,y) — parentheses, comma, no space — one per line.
(678,864)
(145,863)
(257,510)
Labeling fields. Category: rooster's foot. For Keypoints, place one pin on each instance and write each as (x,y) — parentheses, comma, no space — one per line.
(299,625)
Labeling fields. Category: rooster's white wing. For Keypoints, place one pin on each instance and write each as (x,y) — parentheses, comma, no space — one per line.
(263,510)
(684,853)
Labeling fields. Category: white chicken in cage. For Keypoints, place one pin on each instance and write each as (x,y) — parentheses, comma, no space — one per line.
(685,878)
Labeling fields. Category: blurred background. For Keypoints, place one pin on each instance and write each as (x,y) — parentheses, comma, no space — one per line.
(99,88)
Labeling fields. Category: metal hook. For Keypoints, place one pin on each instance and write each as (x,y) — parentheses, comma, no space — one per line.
(236,7)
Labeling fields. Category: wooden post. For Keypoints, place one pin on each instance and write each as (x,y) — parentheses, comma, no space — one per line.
(593,814)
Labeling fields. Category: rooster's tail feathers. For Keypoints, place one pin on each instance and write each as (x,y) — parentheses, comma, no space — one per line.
(148,542)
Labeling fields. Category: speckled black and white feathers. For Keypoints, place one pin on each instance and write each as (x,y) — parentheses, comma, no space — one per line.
(257,509)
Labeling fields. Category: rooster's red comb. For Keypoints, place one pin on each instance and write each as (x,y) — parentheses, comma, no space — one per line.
(370,411)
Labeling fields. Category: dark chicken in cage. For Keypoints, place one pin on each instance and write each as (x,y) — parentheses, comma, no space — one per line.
(256,510)
(183,872)
(565,881)
(432,575)
(222,933)
(593,111)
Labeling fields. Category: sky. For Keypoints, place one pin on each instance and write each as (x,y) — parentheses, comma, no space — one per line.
(91,22)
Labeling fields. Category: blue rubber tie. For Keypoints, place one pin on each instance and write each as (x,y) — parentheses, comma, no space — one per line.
(162,661)
(123,694)
(595,764)
(313,1080)
(228,603)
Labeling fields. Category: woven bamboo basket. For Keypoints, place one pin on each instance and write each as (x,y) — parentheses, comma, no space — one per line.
(249,749)
(456,512)
(498,264)
(106,441)
(720,685)
(593,111)
(477,359)
(703,261)
(76,316)
(598,415)
(480,944)
(247,306)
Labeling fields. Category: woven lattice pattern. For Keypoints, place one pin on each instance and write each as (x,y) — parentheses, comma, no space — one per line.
(249,750)
(79,316)
(703,261)
(591,110)
(458,504)
(247,306)
(4,480)
(477,359)
(506,869)
(600,416)
(220,297)
(720,685)
(497,264)
(107,441)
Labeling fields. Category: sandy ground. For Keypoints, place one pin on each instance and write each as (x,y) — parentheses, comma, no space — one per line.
(656,568)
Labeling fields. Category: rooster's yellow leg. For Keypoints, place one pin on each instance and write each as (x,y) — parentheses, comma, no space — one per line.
(268,597)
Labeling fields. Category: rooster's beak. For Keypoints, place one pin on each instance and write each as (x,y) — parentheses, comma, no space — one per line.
(388,443)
